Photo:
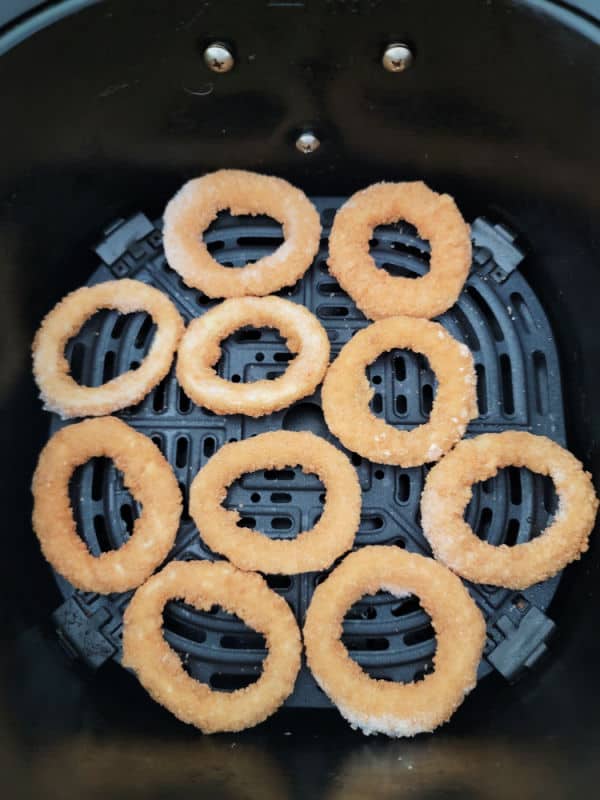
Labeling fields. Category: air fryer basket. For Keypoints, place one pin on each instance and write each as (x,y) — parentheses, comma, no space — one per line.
(106,112)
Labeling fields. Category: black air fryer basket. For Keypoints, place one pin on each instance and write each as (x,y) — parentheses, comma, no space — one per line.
(108,107)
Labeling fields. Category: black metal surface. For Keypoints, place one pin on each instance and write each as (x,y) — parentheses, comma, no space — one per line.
(112,108)
(497,316)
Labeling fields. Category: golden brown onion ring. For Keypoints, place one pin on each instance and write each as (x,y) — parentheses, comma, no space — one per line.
(159,669)
(448,491)
(146,474)
(310,550)
(378,706)
(200,350)
(190,212)
(346,393)
(379,294)
(64,395)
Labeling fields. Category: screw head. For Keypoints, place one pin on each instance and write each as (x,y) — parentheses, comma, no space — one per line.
(307,142)
(218,57)
(397,57)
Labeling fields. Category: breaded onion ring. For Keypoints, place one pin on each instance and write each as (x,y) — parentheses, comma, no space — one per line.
(148,477)
(190,212)
(200,350)
(59,391)
(159,668)
(379,294)
(346,393)
(311,550)
(448,491)
(378,706)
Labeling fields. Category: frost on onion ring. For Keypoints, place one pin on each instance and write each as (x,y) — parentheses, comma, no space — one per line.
(200,350)
(346,393)
(59,391)
(311,550)
(448,491)
(146,474)
(379,294)
(159,669)
(378,706)
(190,212)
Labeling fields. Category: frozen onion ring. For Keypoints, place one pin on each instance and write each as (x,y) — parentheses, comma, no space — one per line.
(190,212)
(200,350)
(59,391)
(378,706)
(146,474)
(448,491)
(346,393)
(379,294)
(310,550)
(159,669)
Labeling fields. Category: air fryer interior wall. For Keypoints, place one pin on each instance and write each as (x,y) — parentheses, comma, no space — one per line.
(106,113)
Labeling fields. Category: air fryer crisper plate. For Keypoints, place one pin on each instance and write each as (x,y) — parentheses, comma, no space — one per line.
(497,316)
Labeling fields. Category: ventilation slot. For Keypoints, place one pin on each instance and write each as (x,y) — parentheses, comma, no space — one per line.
(522,311)
(486,312)
(507,387)
(469,336)
(377,404)
(248,335)
(209,445)
(419,636)
(281,523)
(540,372)
(76,361)
(183,401)
(251,641)
(483,525)
(361,611)
(230,682)
(427,398)
(128,518)
(409,606)
(482,401)
(512,532)
(550,497)
(145,333)
(281,497)
(398,270)
(329,312)
(403,488)
(514,480)
(159,398)
(401,405)
(369,524)
(331,289)
(108,370)
(181,452)
(101,533)
(279,474)
(400,368)
(354,643)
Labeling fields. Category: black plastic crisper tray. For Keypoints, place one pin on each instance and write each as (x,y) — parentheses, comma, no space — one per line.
(497,316)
